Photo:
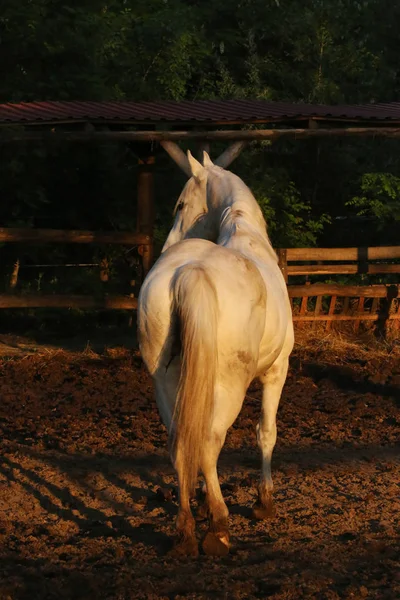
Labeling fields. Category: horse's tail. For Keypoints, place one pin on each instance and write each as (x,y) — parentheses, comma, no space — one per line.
(197,308)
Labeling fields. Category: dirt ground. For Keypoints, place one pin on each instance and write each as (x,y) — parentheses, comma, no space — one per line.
(88,498)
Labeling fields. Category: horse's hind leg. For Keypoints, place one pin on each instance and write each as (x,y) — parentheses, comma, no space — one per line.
(228,403)
(185,524)
(273,381)
(166,386)
(216,541)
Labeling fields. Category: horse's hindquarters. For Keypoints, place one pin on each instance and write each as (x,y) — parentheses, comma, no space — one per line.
(277,338)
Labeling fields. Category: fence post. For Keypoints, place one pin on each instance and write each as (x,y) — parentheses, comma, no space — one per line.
(318,306)
(396,324)
(282,261)
(303,307)
(360,311)
(104,270)
(145,209)
(386,309)
(331,312)
(14,275)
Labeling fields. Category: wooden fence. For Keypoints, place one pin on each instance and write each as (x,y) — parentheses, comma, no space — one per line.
(45,236)
(311,302)
(322,302)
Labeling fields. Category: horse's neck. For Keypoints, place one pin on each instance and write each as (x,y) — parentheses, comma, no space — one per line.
(240,235)
(242,226)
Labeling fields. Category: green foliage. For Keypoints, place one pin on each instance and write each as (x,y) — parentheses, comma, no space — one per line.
(380,198)
(287,211)
(291,223)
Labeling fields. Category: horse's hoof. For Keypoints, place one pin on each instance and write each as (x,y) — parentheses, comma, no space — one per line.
(185,547)
(216,545)
(264,511)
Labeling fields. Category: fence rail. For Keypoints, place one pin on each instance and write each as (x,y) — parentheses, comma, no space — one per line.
(336,289)
(330,303)
(67,301)
(335,303)
(348,269)
(346,303)
(45,236)
(359,254)
(311,302)
(359,261)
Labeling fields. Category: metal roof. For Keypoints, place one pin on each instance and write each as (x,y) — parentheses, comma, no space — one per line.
(205,111)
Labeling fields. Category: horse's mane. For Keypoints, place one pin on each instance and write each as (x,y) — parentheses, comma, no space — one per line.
(233,206)
(235,225)
(234,191)
(237,218)
(242,212)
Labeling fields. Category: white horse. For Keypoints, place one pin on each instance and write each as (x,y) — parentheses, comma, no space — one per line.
(211,318)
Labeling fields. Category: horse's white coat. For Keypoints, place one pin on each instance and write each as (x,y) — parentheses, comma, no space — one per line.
(251,331)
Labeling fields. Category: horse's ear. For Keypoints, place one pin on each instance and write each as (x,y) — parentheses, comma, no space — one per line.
(196,167)
(207,162)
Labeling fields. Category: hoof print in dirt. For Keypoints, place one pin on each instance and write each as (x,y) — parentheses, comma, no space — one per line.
(214,545)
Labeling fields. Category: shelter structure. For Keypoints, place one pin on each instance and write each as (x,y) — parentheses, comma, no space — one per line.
(153,126)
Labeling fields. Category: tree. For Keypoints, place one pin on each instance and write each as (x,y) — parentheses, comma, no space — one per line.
(315,51)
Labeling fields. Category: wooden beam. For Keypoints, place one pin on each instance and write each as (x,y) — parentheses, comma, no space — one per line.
(178,156)
(340,269)
(233,135)
(370,253)
(356,317)
(44,236)
(63,301)
(329,289)
(230,154)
